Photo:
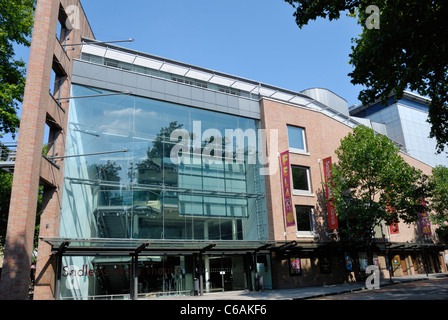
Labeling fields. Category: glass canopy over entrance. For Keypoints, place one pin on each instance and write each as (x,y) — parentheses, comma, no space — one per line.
(98,246)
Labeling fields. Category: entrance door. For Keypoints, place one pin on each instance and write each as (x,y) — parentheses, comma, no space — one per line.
(220,276)
(396,264)
(403,265)
(225,273)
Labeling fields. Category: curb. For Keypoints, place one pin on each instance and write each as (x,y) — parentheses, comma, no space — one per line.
(389,283)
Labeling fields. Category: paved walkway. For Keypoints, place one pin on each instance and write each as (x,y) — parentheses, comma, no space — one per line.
(300,293)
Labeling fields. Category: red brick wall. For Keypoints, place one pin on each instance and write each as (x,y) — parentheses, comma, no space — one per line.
(14,283)
(323,136)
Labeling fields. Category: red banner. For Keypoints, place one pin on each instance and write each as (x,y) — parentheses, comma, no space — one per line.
(394,228)
(331,210)
(394,225)
(287,196)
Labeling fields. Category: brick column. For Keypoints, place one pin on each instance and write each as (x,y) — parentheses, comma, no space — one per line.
(15,279)
(30,168)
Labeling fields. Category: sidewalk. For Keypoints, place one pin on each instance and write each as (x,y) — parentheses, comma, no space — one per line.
(301,293)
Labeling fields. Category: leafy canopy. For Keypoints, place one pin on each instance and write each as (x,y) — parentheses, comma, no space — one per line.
(16,22)
(439,200)
(372,183)
(409,51)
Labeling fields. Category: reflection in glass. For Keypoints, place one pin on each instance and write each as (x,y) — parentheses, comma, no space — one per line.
(143,193)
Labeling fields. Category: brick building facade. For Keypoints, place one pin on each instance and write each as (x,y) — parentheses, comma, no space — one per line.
(162,216)
(50,53)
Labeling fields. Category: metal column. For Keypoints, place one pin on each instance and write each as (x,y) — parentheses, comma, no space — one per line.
(59,255)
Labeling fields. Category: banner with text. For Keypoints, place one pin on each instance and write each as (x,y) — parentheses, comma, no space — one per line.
(331,210)
(287,196)
(425,222)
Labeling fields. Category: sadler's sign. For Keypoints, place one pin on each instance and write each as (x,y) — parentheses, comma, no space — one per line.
(331,210)
(286,181)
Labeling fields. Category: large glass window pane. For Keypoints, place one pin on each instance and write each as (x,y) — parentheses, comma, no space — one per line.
(85,278)
(143,193)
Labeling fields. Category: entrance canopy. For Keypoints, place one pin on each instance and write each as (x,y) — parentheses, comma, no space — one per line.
(112,247)
(120,247)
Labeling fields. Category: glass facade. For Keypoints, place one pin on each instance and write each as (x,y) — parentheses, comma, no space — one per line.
(145,193)
(406,123)
(110,278)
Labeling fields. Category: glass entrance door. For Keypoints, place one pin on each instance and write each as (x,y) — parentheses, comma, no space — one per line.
(165,275)
(225,273)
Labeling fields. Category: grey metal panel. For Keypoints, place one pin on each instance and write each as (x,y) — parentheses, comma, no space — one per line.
(158,85)
(221,99)
(197,94)
(129,79)
(158,95)
(144,83)
(329,99)
(254,107)
(171,98)
(185,101)
(113,86)
(171,88)
(96,72)
(89,82)
(379,127)
(185,92)
(86,69)
(209,97)
(113,76)
(245,105)
(88,74)
(233,101)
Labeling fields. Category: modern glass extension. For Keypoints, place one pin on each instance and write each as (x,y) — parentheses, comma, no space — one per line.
(141,169)
(143,193)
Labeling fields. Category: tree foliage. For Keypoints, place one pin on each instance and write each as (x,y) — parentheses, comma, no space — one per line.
(439,200)
(16,22)
(409,51)
(5,195)
(373,184)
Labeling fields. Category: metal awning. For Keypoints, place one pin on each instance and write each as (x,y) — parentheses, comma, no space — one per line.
(123,247)
(143,247)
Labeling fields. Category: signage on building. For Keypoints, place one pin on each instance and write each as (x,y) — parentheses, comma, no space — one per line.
(287,195)
(331,209)
(425,222)
(295,266)
(394,228)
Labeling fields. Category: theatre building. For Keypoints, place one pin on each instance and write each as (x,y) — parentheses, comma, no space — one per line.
(164,178)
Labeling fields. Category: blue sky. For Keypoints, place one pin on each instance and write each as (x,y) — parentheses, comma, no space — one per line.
(254,39)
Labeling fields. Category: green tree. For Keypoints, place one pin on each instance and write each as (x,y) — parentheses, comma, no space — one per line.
(16,22)
(373,184)
(6,179)
(439,200)
(5,195)
(409,51)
